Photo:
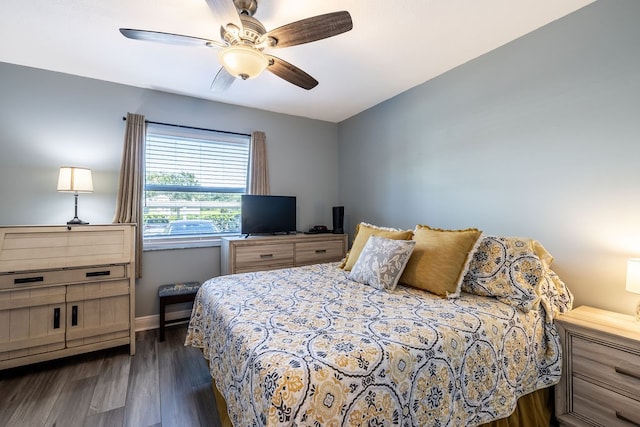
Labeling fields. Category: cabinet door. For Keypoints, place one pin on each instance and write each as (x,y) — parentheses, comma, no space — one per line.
(97,312)
(33,321)
(54,247)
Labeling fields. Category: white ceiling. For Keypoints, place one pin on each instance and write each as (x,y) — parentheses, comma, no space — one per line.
(394,45)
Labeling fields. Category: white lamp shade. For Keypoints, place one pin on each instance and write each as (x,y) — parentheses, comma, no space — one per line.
(633,275)
(73,179)
(243,61)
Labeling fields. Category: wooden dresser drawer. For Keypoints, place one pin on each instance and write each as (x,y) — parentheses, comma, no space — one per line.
(256,256)
(54,277)
(317,252)
(603,406)
(612,366)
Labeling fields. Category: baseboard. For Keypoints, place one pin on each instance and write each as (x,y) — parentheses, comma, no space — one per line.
(153,322)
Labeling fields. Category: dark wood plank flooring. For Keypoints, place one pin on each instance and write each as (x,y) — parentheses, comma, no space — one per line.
(164,384)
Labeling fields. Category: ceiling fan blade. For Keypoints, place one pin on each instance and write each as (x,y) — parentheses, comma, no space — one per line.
(222,80)
(290,73)
(225,12)
(310,29)
(178,39)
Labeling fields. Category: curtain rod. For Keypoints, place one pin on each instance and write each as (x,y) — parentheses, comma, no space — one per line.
(193,127)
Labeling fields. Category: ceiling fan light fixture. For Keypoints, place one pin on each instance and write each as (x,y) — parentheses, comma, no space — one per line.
(243,61)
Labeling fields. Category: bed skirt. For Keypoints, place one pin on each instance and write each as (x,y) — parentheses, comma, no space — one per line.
(532,410)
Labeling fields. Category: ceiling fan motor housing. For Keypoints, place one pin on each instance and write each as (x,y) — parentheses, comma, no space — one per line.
(251,31)
(246,7)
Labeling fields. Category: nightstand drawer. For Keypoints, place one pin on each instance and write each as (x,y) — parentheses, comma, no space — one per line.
(603,406)
(316,252)
(612,366)
(263,255)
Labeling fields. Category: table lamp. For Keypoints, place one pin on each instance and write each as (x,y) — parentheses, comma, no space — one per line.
(75,180)
(633,281)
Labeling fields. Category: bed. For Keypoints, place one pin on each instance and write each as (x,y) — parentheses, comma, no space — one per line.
(310,346)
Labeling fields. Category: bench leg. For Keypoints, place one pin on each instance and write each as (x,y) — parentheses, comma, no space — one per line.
(162,309)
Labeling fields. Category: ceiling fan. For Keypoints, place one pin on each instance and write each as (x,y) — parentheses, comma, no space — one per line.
(244,40)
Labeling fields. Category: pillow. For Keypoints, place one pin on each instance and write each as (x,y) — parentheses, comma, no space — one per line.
(555,296)
(381,262)
(363,231)
(509,269)
(439,261)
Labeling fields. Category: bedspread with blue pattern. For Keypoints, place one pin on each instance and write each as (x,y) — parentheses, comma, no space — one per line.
(306,346)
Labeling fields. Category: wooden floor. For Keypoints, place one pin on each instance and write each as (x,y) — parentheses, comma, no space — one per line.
(164,384)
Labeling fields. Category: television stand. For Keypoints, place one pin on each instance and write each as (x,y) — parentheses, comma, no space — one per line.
(279,233)
(240,254)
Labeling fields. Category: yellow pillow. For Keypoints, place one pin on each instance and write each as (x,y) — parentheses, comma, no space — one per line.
(363,232)
(440,259)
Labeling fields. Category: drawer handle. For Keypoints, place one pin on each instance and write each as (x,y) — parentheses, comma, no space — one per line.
(28,280)
(623,417)
(74,315)
(266,256)
(56,318)
(99,273)
(627,372)
(321,251)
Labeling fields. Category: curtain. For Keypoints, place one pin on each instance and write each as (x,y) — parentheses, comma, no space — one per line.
(129,200)
(258,168)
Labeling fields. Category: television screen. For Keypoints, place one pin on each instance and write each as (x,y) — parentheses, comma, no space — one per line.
(268,214)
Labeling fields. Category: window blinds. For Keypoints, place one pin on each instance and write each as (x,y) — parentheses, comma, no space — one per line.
(214,161)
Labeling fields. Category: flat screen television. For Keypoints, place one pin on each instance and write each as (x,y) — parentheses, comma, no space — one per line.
(267,214)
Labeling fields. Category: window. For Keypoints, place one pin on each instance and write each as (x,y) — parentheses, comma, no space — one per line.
(193,182)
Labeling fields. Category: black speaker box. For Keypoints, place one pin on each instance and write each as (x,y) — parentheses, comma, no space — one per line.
(338,219)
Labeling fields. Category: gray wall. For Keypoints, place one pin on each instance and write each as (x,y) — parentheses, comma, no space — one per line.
(538,138)
(49,119)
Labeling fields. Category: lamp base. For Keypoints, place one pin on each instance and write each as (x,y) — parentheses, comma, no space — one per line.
(77,221)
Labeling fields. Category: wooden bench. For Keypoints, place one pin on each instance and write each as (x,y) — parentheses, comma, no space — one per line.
(175,293)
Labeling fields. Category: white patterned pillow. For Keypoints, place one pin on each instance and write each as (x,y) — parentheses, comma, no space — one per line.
(382,262)
(363,232)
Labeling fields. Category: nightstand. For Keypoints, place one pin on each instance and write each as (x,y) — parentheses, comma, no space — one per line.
(600,382)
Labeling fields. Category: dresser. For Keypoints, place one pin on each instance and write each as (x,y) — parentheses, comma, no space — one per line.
(244,254)
(65,290)
(600,382)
